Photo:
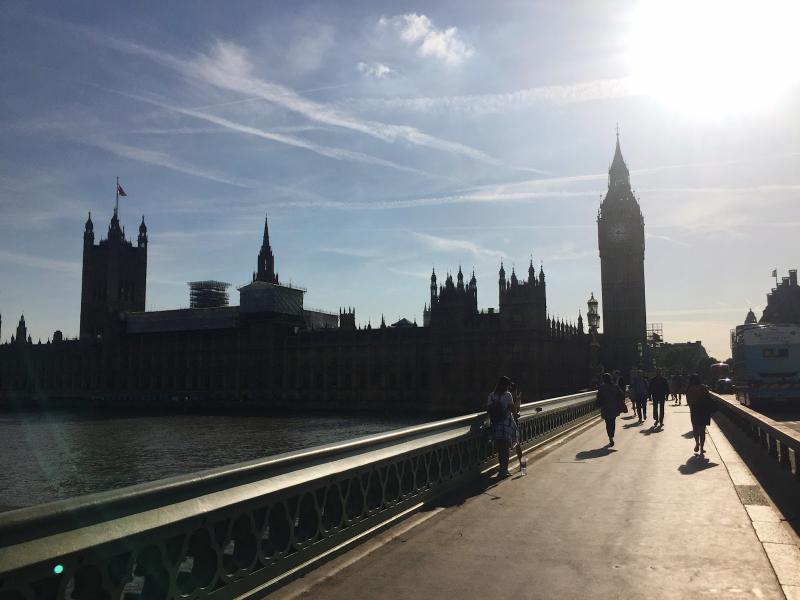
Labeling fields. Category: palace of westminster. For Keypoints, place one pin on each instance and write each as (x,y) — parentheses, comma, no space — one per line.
(271,352)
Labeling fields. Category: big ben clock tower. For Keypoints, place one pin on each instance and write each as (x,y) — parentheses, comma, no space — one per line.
(620,236)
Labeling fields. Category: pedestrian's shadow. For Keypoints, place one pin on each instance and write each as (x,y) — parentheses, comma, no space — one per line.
(481,485)
(688,435)
(696,464)
(651,431)
(629,425)
(628,418)
(596,453)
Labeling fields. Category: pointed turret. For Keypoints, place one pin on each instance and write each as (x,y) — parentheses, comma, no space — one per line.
(473,283)
(618,171)
(142,234)
(88,232)
(580,323)
(751,318)
(513,277)
(531,272)
(22,331)
(115,232)
(460,279)
(266,260)
(541,274)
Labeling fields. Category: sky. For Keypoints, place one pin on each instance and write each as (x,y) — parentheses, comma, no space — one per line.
(387,138)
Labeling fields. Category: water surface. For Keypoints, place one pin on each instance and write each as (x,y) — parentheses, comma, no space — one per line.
(49,456)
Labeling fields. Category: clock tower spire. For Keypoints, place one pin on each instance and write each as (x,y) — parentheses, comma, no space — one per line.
(620,236)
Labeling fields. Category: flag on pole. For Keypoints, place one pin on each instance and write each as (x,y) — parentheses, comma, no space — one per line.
(774,272)
(120,191)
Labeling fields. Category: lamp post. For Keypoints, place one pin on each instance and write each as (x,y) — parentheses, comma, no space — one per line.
(593,317)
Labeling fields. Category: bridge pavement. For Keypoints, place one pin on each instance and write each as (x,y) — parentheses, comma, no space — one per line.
(641,520)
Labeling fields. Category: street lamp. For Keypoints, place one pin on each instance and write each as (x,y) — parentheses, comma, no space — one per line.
(593,317)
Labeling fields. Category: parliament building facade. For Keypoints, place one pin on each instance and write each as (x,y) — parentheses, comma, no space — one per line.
(269,352)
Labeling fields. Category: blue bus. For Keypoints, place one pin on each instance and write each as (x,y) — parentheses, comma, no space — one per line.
(766,363)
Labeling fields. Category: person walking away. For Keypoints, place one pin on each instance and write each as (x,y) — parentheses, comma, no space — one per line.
(639,395)
(619,381)
(609,397)
(699,401)
(681,386)
(499,405)
(659,390)
(673,388)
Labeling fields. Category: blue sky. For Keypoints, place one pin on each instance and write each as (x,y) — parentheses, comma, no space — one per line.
(387,138)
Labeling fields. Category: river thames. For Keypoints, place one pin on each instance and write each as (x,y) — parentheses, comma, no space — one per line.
(50,456)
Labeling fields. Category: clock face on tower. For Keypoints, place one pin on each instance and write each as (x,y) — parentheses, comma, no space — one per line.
(619,233)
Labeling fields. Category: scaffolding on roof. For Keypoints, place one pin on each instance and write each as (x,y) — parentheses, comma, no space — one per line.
(208,294)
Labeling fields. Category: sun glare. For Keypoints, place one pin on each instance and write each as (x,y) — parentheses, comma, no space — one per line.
(716,57)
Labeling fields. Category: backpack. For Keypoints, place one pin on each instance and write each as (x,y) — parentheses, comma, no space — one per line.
(497,411)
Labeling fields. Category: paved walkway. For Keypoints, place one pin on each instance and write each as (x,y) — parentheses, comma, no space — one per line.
(641,520)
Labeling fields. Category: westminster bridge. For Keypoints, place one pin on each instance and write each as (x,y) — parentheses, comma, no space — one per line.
(415,513)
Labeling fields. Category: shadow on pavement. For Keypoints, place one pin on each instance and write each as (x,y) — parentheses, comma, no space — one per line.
(688,435)
(459,496)
(629,425)
(596,453)
(651,430)
(696,464)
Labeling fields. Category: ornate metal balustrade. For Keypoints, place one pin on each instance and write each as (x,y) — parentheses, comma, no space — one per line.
(778,441)
(242,530)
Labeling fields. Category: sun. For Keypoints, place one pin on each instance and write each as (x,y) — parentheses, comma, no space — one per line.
(716,57)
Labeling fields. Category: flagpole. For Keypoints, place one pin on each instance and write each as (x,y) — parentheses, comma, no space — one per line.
(116,204)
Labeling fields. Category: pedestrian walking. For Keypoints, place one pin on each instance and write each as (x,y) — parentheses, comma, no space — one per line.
(618,380)
(609,399)
(681,386)
(659,390)
(500,406)
(673,388)
(639,394)
(699,401)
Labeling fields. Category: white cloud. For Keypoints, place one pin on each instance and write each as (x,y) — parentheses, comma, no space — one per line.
(375,70)
(228,67)
(160,159)
(419,31)
(485,104)
(451,245)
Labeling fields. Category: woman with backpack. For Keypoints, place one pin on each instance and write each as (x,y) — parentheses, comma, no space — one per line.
(500,406)
(699,401)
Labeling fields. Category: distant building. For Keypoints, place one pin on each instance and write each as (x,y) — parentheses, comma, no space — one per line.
(271,351)
(620,235)
(783,302)
(686,357)
(114,278)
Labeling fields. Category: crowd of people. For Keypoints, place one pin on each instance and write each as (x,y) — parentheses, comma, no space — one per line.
(656,389)
(503,406)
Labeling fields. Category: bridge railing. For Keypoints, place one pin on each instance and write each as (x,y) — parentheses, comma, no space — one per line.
(778,441)
(241,530)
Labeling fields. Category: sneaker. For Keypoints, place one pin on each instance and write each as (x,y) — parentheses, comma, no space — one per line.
(610,443)
(697,447)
